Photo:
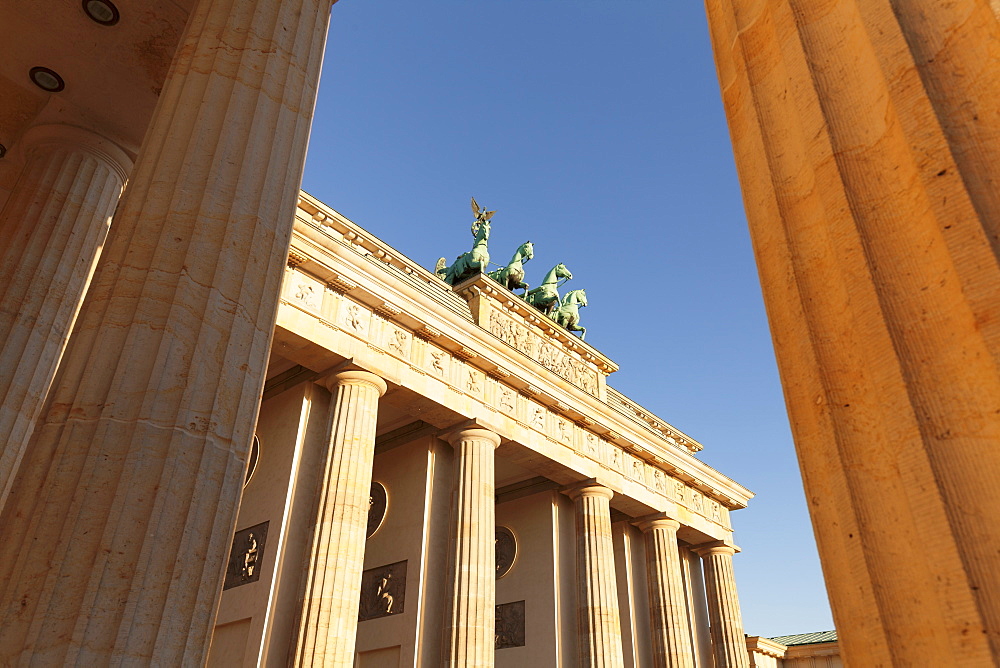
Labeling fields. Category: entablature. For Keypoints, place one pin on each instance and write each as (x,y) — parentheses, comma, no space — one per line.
(368,299)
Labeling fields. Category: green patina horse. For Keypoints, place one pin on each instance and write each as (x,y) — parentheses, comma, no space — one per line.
(546,296)
(512,276)
(477,259)
(568,314)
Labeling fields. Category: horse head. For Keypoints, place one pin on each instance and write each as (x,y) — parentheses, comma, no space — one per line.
(481,231)
(562,271)
(526,251)
(575,297)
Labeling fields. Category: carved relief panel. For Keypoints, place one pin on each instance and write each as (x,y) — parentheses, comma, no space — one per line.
(397,341)
(546,353)
(509,625)
(245,556)
(383,591)
(302,290)
(354,318)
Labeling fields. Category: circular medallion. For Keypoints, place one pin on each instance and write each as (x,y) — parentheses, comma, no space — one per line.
(377,501)
(506,548)
(254,456)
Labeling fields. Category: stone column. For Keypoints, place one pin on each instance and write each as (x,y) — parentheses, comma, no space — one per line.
(53,227)
(120,518)
(469,621)
(671,629)
(729,645)
(867,135)
(598,622)
(328,620)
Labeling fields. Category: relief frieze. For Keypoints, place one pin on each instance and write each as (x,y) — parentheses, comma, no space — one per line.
(549,355)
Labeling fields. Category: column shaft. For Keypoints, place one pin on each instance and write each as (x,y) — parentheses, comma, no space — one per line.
(671,629)
(53,227)
(470,620)
(118,524)
(599,622)
(866,138)
(726,624)
(329,614)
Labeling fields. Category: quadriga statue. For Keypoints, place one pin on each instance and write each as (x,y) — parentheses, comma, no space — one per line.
(476,260)
(512,276)
(568,313)
(546,296)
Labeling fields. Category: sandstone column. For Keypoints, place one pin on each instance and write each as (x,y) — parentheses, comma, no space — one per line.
(867,139)
(469,621)
(120,518)
(671,629)
(598,623)
(329,614)
(53,227)
(729,645)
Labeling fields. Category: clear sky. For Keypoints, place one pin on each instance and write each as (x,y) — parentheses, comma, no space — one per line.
(596,130)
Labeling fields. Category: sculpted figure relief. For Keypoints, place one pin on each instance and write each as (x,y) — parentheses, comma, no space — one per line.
(551,357)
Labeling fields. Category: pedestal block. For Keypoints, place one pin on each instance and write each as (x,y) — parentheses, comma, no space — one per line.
(328,619)
(469,621)
(598,622)
(671,629)
(52,226)
(120,518)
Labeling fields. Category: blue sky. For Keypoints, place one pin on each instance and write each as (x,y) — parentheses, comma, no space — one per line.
(596,130)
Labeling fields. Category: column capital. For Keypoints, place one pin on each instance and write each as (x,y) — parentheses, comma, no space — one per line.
(77,138)
(715,547)
(587,488)
(648,523)
(354,377)
(465,433)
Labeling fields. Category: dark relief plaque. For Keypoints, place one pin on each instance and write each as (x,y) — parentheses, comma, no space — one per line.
(383,591)
(510,625)
(377,502)
(506,549)
(245,559)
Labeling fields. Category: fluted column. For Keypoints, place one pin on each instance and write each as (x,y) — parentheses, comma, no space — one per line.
(725,622)
(867,135)
(598,620)
(120,518)
(328,619)
(469,621)
(52,226)
(671,629)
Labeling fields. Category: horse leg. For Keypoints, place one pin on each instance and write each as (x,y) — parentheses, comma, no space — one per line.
(573,327)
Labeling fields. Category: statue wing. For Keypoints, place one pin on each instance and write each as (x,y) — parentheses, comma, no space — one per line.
(488,214)
(475,207)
